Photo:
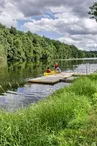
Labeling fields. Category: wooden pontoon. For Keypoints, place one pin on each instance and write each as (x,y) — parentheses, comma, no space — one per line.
(51,79)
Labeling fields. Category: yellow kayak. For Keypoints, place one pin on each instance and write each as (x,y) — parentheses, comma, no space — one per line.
(51,73)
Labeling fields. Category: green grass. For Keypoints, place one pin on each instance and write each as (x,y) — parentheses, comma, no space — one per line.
(67,118)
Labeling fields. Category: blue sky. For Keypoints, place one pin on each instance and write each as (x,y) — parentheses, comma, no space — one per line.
(65,20)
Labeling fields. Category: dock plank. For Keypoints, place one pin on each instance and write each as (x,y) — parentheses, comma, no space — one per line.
(51,79)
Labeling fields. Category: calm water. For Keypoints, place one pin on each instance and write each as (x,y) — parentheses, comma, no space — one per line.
(14,77)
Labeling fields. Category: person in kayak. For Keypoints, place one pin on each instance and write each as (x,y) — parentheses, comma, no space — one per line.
(57,68)
(48,70)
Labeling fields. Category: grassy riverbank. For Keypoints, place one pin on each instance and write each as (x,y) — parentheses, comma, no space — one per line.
(67,118)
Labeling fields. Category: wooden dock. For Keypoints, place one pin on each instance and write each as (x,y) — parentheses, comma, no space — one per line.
(51,79)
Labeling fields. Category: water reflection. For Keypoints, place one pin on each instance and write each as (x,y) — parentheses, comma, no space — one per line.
(79,66)
(16,74)
(26,95)
(14,77)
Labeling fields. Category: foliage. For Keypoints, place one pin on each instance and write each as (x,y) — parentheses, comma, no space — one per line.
(90,54)
(67,118)
(22,46)
(93,11)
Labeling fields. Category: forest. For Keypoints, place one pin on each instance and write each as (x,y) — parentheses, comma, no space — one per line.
(21,46)
(91,54)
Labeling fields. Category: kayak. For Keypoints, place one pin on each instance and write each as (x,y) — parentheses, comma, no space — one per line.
(51,73)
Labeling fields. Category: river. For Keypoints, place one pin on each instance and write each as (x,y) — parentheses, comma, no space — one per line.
(14,76)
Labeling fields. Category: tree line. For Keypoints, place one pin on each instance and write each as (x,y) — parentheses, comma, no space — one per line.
(17,45)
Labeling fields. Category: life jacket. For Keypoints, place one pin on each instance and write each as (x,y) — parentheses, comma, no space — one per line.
(48,70)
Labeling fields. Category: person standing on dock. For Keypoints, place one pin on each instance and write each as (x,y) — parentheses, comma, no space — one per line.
(57,68)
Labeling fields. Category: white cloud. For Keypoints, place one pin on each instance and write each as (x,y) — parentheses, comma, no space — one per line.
(70,19)
(36,7)
(10,14)
(39,25)
(84,42)
(8,20)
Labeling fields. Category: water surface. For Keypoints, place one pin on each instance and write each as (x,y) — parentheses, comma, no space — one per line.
(14,77)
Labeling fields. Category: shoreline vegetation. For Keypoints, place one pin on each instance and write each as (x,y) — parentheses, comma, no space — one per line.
(22,46)
(67,118)
(95,58)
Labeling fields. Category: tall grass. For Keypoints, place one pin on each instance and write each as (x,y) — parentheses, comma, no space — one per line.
(55,121)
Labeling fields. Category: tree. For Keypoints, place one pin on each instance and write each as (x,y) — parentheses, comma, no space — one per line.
(20,46)
(13,30)
(93,11)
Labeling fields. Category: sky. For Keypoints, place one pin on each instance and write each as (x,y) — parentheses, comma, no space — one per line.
(64,20)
